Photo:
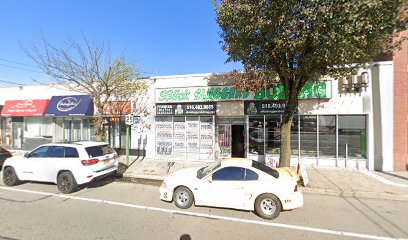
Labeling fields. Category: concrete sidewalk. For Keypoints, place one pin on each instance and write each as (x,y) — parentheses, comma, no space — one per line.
(329,181)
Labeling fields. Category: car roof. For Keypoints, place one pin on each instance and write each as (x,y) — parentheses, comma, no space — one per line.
(238,162)
(80,143)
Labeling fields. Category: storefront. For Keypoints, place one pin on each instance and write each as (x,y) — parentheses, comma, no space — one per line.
(73,117)
(228,123)
(29,127)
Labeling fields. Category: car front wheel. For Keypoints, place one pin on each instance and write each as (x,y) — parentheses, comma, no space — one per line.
(10,177)
(66,183)
(268,206)
(183,197)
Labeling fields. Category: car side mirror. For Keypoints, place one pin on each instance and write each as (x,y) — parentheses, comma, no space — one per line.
(27,155)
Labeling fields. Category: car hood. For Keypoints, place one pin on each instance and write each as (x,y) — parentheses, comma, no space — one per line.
(184,174)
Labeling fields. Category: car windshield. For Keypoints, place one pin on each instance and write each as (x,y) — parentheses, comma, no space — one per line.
(265,169)
(204,171)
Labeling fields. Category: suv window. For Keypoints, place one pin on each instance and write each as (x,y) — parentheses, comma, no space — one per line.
(98,151)
(39,152)
(71,152)
(229,174)
(55,152)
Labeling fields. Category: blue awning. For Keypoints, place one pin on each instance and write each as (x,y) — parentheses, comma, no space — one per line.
(74,105)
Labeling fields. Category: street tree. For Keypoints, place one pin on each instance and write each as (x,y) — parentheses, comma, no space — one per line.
(297,41)
(89,68)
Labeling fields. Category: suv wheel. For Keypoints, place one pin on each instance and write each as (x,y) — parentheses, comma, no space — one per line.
(66,183)
(10,177)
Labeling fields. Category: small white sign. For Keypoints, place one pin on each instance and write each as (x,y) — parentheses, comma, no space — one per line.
(303,173)
(129,119)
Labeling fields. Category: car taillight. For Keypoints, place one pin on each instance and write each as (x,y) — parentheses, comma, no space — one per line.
(89,162)
(8,154)
(115,155)
(296,188)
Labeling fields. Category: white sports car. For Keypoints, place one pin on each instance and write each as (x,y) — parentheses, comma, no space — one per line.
(237,183)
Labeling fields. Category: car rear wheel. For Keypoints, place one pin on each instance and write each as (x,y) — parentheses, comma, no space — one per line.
(183,197)
(66,183)
(10,177)
(268,206)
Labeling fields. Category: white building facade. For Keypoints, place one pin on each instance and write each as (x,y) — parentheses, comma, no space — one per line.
(340,123)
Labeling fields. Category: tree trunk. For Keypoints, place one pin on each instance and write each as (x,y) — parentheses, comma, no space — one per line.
(291,100)
(99,130)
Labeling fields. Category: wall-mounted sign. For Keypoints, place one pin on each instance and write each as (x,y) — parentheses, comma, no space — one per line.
(24,108)
(184,109)
(312,90)
(264,107)
(74,105)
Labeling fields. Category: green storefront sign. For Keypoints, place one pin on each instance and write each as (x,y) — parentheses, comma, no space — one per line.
(311,90)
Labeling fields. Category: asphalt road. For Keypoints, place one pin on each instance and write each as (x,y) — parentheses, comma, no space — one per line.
(116,210)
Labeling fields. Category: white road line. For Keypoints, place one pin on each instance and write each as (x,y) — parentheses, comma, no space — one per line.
(271,224)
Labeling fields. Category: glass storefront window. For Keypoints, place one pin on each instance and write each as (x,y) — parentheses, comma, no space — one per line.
(308,136)
(5,131)
(35,127)
(294,135)
(272,126)
(256,135)
(224,140)
(327,136)
(190,137)
(85,129)
(179,126)
(193,138)
(164,136)
(352,132)
(206,138)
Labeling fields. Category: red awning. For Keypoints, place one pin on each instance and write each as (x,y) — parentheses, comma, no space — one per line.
(24,108)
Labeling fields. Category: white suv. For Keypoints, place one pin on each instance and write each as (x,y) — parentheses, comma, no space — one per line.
(66,164)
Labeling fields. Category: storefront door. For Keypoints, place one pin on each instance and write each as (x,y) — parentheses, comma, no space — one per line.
(17,135)
(238,142)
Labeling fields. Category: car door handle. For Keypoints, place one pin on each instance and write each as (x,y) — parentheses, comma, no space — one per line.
(239,188)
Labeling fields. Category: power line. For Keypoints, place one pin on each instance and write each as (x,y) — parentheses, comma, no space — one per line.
(25,69)
(19,63)
(4,81)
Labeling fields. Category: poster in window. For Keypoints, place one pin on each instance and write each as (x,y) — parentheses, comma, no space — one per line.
(179,136)
(224,140)
(206,137)
(164,138)
(192,132)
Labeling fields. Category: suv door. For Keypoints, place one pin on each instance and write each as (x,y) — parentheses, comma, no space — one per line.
(51,163)
(32,166)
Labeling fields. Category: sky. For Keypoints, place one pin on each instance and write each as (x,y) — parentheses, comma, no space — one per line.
(162,37)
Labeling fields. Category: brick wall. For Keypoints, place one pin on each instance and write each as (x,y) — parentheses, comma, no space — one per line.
(401,107)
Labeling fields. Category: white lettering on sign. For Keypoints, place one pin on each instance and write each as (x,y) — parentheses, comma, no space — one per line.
(67,104)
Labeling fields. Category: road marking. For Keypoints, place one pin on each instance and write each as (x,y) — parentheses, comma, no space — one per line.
(271,224)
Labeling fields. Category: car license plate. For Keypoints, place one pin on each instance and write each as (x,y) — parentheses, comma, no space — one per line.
(106,162)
